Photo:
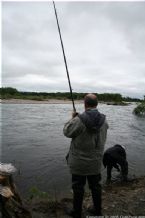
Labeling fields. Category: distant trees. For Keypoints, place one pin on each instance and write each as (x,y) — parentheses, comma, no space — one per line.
(128,99)
(110,97)
(8,93)
(8,90)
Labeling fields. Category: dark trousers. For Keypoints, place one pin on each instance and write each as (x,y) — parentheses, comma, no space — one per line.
(78,183)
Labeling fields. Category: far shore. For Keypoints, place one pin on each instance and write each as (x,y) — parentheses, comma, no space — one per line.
(54,101)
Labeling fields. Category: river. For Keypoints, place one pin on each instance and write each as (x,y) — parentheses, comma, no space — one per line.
(33,140)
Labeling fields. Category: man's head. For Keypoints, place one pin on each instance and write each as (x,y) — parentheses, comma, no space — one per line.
(90,101)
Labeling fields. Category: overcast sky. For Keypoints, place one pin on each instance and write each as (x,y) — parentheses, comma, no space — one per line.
(104,44)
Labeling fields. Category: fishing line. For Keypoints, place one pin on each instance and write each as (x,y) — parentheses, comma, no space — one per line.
(64,56)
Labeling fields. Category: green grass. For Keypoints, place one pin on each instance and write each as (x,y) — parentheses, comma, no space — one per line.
(34,192)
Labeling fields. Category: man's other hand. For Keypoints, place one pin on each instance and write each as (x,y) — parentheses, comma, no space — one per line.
(74,114)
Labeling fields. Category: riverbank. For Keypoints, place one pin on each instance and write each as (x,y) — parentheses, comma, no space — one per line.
(55,101)
(119,199)
(50,101)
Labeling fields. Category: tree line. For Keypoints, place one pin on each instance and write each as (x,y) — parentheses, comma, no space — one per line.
(9,93)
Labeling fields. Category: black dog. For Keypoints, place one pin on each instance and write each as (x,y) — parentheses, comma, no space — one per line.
(115,157)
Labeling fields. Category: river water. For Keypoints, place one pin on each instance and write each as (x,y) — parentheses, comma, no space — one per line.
(32,139)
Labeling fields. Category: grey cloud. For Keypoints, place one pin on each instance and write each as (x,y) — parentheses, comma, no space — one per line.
(104,44)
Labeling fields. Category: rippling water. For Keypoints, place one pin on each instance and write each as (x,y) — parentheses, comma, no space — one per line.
(32,139)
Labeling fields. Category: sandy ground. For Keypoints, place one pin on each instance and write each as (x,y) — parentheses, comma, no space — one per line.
(118,200)
(55,101)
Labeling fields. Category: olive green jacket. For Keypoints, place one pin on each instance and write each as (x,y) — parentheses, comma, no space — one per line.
(86,149)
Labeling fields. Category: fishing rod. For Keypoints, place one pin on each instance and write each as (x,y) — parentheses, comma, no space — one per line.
(64,57)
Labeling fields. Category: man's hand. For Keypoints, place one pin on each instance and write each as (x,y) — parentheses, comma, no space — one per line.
(74,114)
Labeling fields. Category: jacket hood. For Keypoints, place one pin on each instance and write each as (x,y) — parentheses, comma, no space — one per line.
(92,119)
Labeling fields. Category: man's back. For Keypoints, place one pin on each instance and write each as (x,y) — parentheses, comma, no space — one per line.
(87,145)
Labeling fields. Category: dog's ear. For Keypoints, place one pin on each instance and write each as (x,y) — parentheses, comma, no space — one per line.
(123,147)
(120,146)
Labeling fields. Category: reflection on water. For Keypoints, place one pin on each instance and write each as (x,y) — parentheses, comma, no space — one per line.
(32,139)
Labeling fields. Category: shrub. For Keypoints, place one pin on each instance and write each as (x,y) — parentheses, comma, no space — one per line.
(140,109)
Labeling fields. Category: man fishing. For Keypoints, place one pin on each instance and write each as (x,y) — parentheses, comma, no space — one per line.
(88,132)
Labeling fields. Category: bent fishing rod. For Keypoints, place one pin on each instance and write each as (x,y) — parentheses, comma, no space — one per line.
(64,56)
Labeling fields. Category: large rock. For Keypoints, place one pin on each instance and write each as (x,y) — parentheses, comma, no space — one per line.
(11,205)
